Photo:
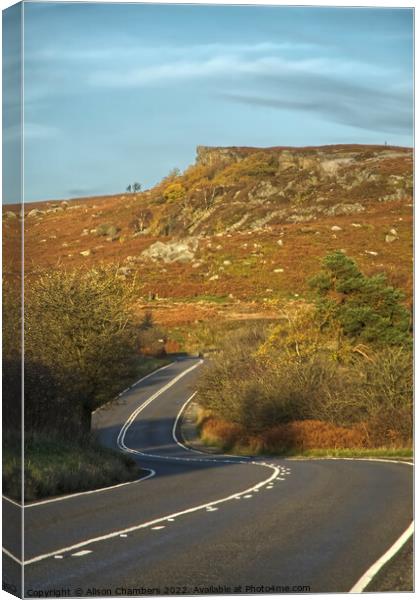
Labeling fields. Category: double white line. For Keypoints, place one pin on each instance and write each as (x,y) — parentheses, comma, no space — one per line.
(124,447)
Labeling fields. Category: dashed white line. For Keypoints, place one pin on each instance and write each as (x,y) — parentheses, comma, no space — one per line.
(358,587)
(123,446)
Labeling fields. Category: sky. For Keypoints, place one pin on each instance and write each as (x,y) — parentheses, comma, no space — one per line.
(116,93)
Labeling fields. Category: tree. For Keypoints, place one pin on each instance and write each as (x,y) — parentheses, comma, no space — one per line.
(364,308)
(151,339)
(142,220)
(133,188)
(78,329)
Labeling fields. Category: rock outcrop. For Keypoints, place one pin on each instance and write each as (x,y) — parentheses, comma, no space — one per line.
(176,251)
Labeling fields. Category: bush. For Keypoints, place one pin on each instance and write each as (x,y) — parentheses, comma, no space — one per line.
(106,229)
(290,378)
(79,343)
(386,393)
(151,339)
(175,192)
(312,434)
(223,433)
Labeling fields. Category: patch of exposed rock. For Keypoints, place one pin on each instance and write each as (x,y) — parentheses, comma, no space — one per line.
(10,215)
(176,251)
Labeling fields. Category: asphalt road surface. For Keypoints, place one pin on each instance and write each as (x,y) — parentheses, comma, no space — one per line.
(207,523)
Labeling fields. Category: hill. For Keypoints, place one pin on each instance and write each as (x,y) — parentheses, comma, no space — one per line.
(238,229)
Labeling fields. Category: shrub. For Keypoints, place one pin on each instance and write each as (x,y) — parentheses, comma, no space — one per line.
(312,434)
(386,393)
(216,431)
(174,192)
(106,229)
(367,389)
(79,342)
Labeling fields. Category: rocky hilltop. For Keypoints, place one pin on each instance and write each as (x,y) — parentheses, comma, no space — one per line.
(232,189)
(240,224)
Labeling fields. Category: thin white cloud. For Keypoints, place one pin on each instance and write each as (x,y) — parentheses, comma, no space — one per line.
(38,131)
(136,51)
(224,66)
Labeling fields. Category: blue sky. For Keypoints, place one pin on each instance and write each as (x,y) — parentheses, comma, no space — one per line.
(117,93)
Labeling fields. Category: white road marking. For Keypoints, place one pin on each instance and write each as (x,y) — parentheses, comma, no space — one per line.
(158,527)
(134,385)
(135,413)
(82,553)
(171,520)
(12,556)
(58,556)
(245,493)
(152,473)
(121,443)
(123,535)
(11,501)
(211,508)
(367,577)
(188,448)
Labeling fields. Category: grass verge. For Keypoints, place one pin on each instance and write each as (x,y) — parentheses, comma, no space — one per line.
(299,439)
(55,466)
(394,453)
(402,454)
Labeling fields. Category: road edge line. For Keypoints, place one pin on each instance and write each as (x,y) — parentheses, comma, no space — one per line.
(12,556)
(152,473)
(108,487)
(133,528)
(374,569)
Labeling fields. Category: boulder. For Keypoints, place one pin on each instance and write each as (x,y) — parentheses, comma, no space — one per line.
(9,214)
(177,251)
(35,212)
(390,238)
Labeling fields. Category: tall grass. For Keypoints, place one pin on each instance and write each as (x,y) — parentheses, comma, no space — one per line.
(55,466)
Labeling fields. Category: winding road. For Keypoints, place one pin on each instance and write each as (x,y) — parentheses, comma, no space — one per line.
(199,523)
